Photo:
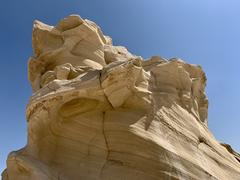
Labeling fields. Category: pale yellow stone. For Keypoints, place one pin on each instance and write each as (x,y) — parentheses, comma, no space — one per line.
(99,112)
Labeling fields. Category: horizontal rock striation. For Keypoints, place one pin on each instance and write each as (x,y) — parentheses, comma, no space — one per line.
(100,112)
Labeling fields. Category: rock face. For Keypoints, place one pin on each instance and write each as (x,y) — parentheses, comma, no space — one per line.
(99,112)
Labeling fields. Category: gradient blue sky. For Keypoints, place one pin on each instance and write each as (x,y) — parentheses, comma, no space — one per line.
(205,32)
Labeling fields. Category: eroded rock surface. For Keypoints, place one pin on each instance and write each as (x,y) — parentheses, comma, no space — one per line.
(100,112)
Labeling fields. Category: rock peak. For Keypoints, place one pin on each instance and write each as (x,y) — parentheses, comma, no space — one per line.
(100,112)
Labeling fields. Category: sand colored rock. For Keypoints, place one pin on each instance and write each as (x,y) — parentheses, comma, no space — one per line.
(100,112)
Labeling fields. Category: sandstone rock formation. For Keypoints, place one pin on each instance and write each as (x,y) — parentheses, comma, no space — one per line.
(100,112)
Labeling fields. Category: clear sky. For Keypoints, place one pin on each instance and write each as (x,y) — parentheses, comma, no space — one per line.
(205,32)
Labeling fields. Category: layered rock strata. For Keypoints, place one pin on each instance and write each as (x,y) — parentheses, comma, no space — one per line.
(100,112)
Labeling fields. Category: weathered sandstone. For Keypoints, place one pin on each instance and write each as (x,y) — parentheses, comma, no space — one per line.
(100,112)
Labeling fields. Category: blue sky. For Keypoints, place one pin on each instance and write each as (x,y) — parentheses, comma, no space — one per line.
(205,32)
